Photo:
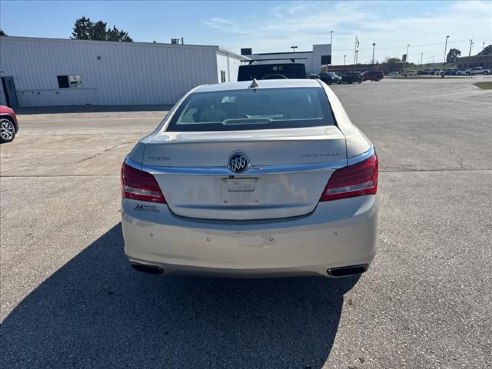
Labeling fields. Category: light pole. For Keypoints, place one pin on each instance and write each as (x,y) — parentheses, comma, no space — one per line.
(471,43)
(483,45)
(331,45)
(421,57)
(407,53)
(344,59)
(373,46)
(293,48)
(445,49)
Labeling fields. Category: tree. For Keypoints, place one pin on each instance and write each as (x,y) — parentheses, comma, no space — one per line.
(486,51)
(453,56)
(391,65)
(116,35)
(2,33)
(85,29)
(99,31)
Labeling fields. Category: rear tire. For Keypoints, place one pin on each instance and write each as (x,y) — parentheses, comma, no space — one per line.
(7,130)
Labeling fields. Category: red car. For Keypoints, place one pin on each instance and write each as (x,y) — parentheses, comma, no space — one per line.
(8,124)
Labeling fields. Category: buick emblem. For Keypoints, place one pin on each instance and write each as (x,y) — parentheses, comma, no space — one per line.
(238,163)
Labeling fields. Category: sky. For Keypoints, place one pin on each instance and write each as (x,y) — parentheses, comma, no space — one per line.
(274,26)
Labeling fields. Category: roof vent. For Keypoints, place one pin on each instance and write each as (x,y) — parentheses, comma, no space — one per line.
(254,84)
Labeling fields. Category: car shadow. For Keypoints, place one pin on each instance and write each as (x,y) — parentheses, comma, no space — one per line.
(96,312)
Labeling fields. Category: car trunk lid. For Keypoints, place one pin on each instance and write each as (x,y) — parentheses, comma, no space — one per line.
(288,170)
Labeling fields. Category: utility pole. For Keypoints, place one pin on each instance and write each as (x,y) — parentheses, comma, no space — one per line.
(483,45)
(445,59)
(445,49)
(471,43)
(408,62)
(344,59)
(421,57)
(356,47)
(373,46)
(331,47)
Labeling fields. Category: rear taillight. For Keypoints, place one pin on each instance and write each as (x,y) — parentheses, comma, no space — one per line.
(355,180)
(139,185)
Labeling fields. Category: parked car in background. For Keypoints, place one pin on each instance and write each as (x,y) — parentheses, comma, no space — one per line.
(480,70)
(330,78)
(351,77)
(410,72)
(372,75)
(450,71)
(252,179)
(463,72)
(8,124)
(393,74)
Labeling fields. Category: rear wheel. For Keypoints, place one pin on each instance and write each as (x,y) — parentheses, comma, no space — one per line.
(7,130)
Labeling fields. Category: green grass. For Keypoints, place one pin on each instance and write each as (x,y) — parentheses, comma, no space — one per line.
(484,85)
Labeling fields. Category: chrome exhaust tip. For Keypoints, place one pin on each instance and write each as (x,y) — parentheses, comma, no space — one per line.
(347,270)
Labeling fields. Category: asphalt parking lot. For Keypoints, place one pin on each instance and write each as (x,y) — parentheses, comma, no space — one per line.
(69,299)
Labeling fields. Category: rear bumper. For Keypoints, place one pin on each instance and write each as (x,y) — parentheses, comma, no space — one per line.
(337,234)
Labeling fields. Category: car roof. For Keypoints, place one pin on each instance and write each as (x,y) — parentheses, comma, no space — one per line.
(262,83)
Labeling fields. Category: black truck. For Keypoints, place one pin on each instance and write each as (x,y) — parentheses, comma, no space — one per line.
(271,70)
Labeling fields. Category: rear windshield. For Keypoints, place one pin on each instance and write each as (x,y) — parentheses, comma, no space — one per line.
(253,109)
(271,71)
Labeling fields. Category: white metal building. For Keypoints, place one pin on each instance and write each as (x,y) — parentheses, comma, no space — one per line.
(50,72)
(320,55)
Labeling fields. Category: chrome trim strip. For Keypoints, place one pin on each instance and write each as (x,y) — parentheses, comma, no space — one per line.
(361,157)
(252,171)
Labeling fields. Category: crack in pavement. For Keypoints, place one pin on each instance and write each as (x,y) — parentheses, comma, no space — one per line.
(460,160)
(102,152)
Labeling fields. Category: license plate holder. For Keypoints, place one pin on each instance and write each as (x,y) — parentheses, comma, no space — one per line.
(241,191)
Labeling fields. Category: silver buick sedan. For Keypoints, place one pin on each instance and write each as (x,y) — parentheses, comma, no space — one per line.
(252,179)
